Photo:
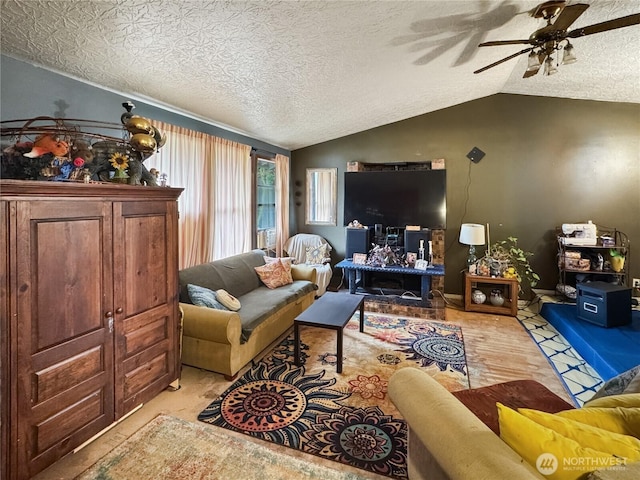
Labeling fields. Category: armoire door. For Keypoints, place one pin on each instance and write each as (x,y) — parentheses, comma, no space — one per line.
(5,355)
(63,315)
(145,292)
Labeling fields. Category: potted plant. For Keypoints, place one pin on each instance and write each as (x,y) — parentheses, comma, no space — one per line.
(508,260)
(617,260)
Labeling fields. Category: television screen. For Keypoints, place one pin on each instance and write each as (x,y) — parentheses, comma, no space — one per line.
(396,198)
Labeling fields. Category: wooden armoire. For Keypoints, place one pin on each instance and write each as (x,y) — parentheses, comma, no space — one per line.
(89,321)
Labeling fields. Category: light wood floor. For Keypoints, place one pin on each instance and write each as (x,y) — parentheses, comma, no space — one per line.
(498,350)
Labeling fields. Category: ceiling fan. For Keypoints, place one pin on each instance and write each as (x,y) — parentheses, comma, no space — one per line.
(554,36)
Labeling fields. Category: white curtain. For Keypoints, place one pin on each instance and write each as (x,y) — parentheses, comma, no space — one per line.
(282,202)
(324,195)
(215,206)
(232,193)
(186,159)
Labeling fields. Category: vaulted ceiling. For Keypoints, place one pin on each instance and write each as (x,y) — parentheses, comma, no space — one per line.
(299,73)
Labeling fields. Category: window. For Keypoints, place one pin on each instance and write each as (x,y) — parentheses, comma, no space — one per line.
(321,196)
(265,204)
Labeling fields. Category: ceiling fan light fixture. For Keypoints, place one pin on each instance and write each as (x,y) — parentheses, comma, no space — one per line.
(533,62)
(569,54)
(549,67)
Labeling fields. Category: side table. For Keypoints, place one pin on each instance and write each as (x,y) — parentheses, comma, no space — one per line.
(509,287)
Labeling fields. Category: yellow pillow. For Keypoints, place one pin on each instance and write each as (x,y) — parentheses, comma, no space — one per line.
(586,435)
(553,455)
(615,419)
(621,400)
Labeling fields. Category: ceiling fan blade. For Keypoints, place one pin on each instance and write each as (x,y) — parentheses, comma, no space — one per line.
(569,15)
(530,73)
(526,50)
(627,21)
(504,42)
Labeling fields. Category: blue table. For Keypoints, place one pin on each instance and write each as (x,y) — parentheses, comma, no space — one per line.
(425,284)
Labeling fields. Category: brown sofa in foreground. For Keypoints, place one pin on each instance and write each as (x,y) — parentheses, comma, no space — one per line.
(225,341)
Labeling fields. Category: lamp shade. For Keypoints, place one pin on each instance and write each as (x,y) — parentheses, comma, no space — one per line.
(472,234)
(569,55)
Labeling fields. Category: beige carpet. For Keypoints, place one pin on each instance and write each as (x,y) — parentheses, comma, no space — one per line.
(174,449)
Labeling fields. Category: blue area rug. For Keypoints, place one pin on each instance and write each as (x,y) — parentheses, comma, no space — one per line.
(610,351)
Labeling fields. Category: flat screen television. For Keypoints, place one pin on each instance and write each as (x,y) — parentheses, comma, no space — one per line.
(396,198)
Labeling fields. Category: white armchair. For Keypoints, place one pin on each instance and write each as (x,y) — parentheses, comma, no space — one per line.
(312,250)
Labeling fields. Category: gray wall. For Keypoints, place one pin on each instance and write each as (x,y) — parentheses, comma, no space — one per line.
(27,91)
(548,161)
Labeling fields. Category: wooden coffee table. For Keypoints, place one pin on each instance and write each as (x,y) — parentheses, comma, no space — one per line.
(333,311)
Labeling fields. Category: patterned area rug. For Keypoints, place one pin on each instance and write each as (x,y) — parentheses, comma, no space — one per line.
(581,380)
(168,448)
(344,417)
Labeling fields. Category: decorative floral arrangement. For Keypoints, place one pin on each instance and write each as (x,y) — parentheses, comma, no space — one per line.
(120,162)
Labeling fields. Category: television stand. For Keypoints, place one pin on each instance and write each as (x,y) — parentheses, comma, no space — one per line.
(351,269)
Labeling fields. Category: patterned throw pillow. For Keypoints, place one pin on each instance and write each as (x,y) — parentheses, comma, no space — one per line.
(315,255)
(286,261)
(274,274)
(203,297)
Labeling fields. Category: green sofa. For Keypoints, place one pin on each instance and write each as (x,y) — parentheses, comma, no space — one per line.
(225,341)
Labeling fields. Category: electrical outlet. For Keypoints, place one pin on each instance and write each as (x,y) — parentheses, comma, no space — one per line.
(636,283)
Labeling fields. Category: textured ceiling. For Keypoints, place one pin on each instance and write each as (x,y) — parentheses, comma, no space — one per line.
(299,73)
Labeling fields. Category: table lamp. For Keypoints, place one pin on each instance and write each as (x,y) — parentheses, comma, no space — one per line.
(472,234)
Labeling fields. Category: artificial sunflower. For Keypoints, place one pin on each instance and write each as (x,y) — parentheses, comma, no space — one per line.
(119,161)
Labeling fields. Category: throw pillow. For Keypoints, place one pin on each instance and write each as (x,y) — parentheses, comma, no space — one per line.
(586,435)
(274,274)
(555,456)
(622,400)
(228,300)
(626,382)
(615,419)
(315,255)
(203,297)
(286,261)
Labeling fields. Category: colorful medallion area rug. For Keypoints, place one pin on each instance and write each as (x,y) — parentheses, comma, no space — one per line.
(345,417)
(168,448)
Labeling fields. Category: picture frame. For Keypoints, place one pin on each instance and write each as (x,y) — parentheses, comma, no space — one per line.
(359,258)
(421,265)
(411,258)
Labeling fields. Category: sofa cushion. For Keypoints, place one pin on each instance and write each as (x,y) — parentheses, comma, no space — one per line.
(263,302)
(203,297)
(630,471)
(536,443)
(234,274)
